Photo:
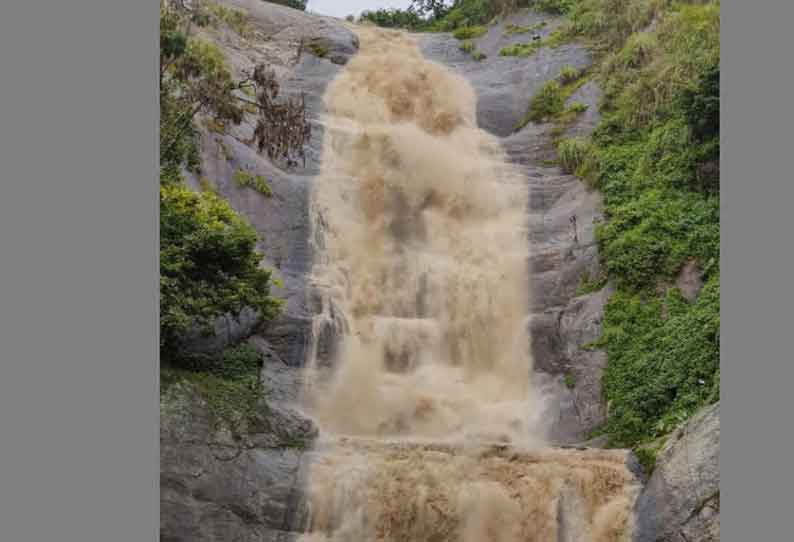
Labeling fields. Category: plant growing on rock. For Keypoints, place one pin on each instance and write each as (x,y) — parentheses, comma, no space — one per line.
(572,153)
(547,102)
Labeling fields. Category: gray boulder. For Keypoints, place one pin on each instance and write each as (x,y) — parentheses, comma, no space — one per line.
(681,502)
(214,487)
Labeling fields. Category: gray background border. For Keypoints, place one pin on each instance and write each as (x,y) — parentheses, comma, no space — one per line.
(78,271)
(757,233)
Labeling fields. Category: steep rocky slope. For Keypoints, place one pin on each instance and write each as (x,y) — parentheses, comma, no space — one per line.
(213,487)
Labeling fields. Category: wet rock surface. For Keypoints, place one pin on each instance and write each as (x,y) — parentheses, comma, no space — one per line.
(214,487)
(563,214)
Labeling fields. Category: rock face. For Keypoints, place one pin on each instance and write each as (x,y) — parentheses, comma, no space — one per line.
(215,488)
(282,221)
(681,502)
(562,214)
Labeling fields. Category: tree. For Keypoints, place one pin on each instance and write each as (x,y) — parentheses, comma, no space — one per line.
(209,265)
(436,9)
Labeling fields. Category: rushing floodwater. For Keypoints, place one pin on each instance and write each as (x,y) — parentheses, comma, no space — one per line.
(432,428)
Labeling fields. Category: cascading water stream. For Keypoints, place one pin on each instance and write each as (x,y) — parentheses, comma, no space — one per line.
(432,430)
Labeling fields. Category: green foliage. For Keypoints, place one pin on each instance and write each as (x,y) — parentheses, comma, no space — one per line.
(247,179)
(465,13)
(555,7)
(210,13)
(652,232)
(318,49)
(467,46)
(520,49)
(479,56)
(577,107)
(572,153)
(523,50)
(547,102)
(512,29)
(589,285)
(570,381)
(654,156)
(661,368)
(193,80)
(470,32)
(568,74)
(234,362)
(609,22)
(394,18)
(234,404)
(209,265)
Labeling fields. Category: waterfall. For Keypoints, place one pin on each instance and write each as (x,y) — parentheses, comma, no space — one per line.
(432,428)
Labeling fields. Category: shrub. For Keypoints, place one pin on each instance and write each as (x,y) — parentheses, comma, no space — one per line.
(467,46)
(257,182)
(660,371)
(572,153)
(547,102)
(318,49)
(568,74)
(394,18)
(470,32)
(209,265)
(520,49)
(556,7)
(577,107)
(479,56)
(570,381)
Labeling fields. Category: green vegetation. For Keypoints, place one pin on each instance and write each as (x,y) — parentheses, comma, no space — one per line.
(589,284)
(568,74)
(654,156)
(572,153)
(577,107)
(394,18)
(209,266)
(469,32)
(229,383)
(547,102)
(479,56)
(318,48)
(247,179)
(570,381)
(467,46)
(523,50)
(208,13)
(555,7)
(660,369)
(512,29)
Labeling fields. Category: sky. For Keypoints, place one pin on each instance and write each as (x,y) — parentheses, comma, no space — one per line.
(343,8)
